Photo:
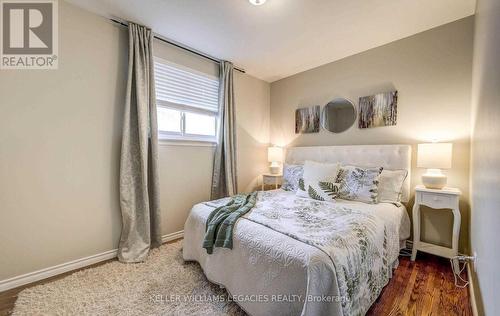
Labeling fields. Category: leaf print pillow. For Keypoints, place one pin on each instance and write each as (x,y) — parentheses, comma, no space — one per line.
(318,190)
(359,184)
(318,181)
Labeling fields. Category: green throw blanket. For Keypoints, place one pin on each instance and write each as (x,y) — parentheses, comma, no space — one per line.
(219,229)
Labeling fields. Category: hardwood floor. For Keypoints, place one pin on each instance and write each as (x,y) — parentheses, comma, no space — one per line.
(423,287)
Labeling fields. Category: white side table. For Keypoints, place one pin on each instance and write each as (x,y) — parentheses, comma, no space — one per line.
(272,179)
(447,198)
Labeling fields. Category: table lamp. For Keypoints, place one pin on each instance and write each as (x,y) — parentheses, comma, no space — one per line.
(275,157)
(434,157)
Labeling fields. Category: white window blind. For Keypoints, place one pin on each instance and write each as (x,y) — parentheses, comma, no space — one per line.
(187,102)
(177,85)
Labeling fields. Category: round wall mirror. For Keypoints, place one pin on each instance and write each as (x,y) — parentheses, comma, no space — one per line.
(338,115)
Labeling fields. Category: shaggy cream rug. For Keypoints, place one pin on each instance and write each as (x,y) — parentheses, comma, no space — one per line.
(162,285)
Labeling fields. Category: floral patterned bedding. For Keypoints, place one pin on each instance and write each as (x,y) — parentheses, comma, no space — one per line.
(359,243)
(348,250)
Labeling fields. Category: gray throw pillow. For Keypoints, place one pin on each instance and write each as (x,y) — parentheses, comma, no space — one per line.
(291,176)
(359,184)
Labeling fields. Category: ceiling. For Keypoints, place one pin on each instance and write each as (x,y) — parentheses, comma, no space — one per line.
(283,37)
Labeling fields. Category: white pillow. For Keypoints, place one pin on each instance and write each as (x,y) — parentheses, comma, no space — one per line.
(390,186)
(318,181)
(320,171)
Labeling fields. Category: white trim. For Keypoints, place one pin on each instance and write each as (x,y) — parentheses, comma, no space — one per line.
(186,137)
(187,108)
(177,142)
(38,275)
(55,270)
(172,236)
(472,294)
(183,135)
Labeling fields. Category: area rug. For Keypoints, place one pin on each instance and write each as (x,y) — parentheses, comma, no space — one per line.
(162,285)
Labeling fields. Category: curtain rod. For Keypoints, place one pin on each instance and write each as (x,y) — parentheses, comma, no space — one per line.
(178,45)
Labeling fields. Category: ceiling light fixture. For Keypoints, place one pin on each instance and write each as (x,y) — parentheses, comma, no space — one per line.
(257,2)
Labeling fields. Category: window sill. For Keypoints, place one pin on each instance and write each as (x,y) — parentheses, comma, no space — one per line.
(183,142)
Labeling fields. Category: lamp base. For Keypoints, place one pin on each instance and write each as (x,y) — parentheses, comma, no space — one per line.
(274,168)
(434,179)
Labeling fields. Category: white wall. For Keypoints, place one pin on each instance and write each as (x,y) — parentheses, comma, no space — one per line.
(432,73)
(60,136)
(485,162)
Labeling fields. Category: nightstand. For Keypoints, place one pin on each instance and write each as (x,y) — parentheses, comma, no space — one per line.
(446,198)
(271,179)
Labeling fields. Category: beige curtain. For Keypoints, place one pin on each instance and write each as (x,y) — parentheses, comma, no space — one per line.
(224,180)
(139,185)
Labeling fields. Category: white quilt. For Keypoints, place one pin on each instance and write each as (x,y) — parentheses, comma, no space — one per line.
(296,256)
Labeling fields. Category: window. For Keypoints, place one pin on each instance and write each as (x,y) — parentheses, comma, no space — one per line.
(187,103)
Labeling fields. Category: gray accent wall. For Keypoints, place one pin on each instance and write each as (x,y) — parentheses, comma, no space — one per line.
(485,162)
(60,136)
(432,72)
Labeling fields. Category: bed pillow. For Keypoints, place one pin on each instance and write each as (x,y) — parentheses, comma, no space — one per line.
(359,184)
(318,181)
(318,190)
(320,171)
(291,176)
(390,185)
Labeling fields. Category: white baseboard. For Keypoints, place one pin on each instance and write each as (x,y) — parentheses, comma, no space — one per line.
(55,270)
(38,275)
(472,294)
(172,236)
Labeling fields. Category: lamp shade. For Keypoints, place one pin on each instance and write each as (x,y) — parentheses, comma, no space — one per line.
(434,155)
(275,154)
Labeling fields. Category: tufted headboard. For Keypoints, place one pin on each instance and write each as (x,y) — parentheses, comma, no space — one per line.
(387,156)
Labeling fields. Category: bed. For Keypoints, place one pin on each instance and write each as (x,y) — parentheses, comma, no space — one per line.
(297,256)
